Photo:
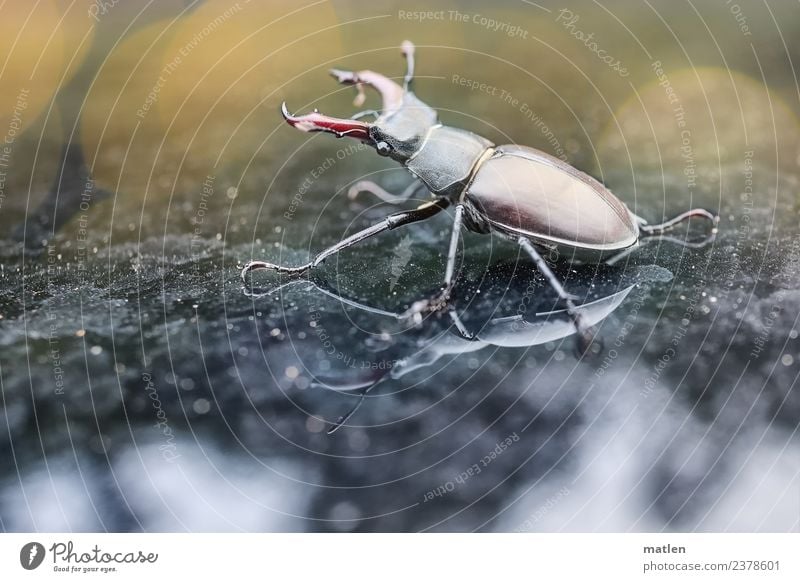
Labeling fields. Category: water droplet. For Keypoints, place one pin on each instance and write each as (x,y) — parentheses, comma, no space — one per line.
(358,440)
(201,406)
(345,515)
(314,424)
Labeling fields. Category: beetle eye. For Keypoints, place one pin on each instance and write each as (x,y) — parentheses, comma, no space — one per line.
(383,148)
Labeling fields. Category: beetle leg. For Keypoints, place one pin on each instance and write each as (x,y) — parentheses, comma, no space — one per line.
(344,418)
(452,254)
(364,392)
(391,222)
(585,333)
(375,189)
(658,229)
(439,301)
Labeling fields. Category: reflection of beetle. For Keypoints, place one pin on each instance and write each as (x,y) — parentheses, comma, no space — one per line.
(507,310)
(524,194)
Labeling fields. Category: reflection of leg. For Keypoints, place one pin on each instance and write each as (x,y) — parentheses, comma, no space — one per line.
(440,300)
(376,190)
(584,331)
(362,395)
(392,221)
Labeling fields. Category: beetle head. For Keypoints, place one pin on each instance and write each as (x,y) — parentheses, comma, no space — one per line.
(398,130)
(400,134)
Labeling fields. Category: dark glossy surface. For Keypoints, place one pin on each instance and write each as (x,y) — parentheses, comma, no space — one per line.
(142,389)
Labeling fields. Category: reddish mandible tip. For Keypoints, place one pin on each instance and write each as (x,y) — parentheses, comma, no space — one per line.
(316,121)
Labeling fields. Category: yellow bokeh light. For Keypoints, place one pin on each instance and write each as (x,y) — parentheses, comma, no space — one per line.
(42,44)
(184,98)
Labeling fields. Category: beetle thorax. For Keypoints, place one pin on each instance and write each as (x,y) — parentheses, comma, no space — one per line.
(447,158)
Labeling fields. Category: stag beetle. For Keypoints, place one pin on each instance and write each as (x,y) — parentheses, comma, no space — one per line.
(534,199)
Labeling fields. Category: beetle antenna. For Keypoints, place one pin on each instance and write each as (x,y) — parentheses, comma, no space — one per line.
(408,52)
(391,93)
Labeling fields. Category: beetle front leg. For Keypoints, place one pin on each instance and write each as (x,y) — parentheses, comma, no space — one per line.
(440,301)
(585,333)
(391,222)
(373,188)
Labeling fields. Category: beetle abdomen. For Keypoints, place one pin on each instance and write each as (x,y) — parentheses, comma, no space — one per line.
(526,192)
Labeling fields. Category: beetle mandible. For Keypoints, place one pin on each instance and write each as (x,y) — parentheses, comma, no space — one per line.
(534,199)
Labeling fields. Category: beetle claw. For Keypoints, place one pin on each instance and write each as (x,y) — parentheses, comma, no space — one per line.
(587,342)
(259,265)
